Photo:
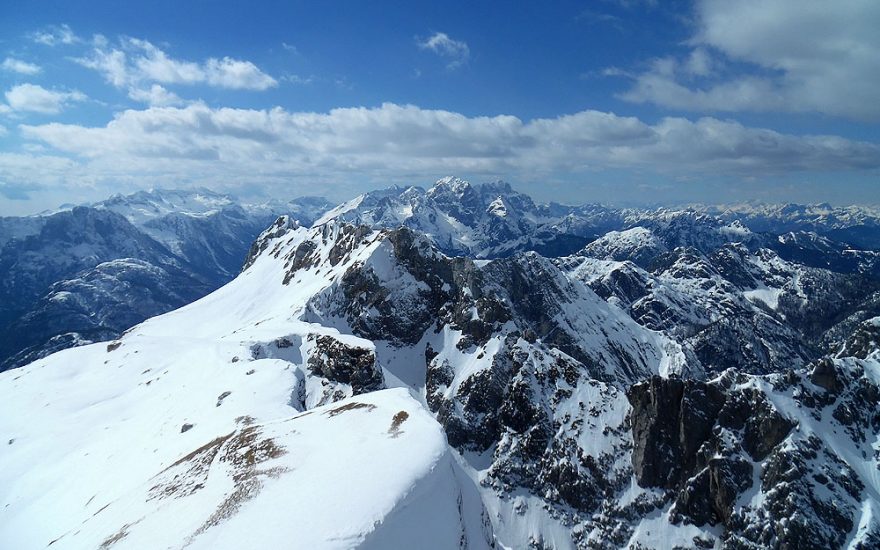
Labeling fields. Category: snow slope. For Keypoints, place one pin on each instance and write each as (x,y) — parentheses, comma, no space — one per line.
(191,430)
(356,387)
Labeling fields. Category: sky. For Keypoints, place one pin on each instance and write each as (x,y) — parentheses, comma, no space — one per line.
(613,101)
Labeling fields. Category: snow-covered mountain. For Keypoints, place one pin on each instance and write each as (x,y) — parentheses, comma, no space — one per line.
(488,220)
(90,272)
(450,368)
(355,386)
(195,240)
(492,220)
(856,224)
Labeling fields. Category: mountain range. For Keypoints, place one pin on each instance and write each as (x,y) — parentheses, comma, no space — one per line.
(87,273)
(456,367)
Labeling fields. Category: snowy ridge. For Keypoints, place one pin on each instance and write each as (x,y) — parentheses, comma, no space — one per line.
(679,382)
(247,360)
(237,431)
(143,206)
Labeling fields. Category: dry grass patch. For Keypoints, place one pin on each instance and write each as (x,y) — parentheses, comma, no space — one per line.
(396,421)
(350,407)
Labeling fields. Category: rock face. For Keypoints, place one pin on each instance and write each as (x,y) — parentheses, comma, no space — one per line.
(671,419)
(277,229)
(346,364)
(736,442)
(733,308)
(863,342)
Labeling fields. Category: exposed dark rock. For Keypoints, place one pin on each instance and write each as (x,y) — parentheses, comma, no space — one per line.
(223,396)
(762,426)
(671,418)
(864,341)
(339,362)
(824,375)
(710,496)
(278,228)
(801,516)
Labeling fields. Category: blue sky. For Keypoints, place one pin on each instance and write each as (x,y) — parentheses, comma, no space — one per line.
(611,101)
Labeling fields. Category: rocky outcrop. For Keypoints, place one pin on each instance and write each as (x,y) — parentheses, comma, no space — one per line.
(864,341)
(824,375)
(278,228)
(671,418)
(701,440)
(346,364)
(727,455)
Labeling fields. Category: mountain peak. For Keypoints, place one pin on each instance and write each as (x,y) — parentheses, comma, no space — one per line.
(500,187)
(450,184)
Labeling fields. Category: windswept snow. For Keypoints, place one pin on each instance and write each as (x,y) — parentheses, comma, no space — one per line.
(180,435)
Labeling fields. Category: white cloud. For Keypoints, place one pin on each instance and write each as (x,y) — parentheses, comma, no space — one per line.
(237,74)
(153,64)
(36,99)
(699,63)
(55,35)
(137,62)
(814,56)
(18,66)
(112,64)
(199,144)
(155,96)
(455,51)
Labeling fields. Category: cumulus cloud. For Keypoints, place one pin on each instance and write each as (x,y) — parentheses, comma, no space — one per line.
(814,56)
(54,35)
(455,52)
(156,95)
(36,99)
(223,146)
(136,62)
(18,66)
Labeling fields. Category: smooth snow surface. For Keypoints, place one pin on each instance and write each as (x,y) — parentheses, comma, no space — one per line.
(178,435)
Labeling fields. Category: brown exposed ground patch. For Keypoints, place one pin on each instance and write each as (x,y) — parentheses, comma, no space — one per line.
(396,422)
(118,535)
(210,447)
(246,450)
(237,455)
(245,420)
(350,407)
(242,455)
(113,345)
(193,474)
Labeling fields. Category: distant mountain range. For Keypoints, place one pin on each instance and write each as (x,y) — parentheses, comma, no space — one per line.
(456,367)
(88,273)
